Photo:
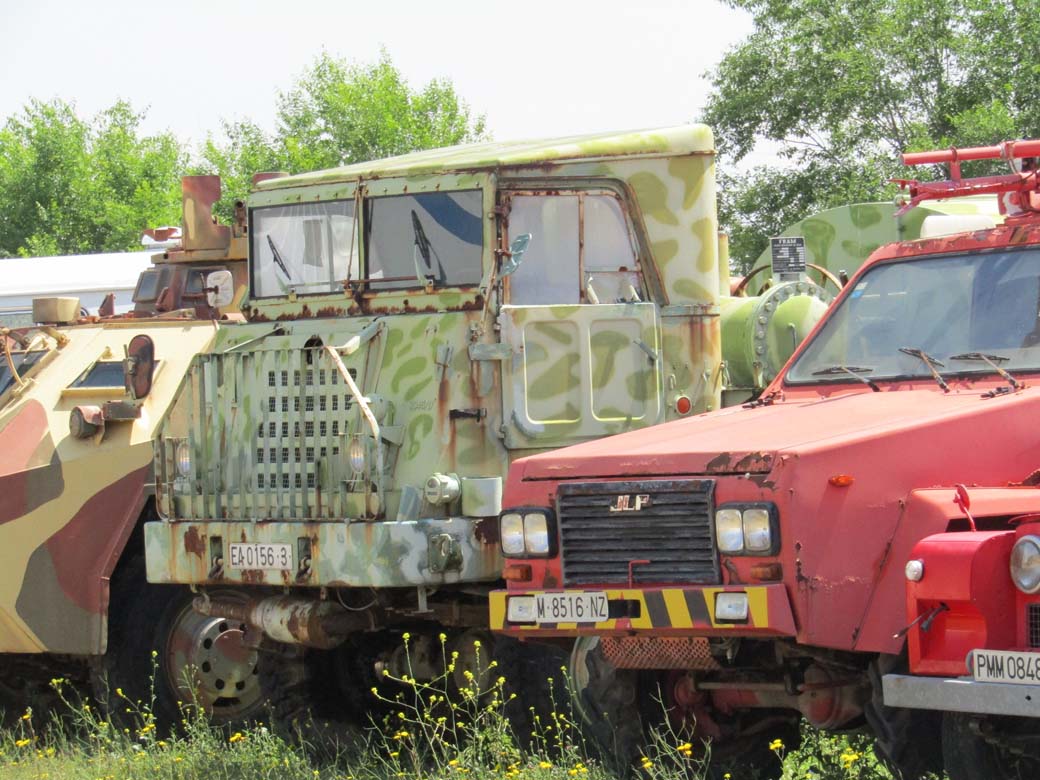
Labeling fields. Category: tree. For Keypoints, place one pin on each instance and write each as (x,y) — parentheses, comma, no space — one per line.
(338,113)
(72,186)
(844,86)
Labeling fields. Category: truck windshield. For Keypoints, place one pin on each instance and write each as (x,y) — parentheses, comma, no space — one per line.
(950,307)
(303,248)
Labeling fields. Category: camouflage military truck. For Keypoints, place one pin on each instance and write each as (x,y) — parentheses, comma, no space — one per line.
(329,475)
(76,463)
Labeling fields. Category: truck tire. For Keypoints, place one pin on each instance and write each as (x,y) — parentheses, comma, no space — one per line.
(531,701)
(969,755)
(306,707)
(164,657)
(908,742)
(608,705)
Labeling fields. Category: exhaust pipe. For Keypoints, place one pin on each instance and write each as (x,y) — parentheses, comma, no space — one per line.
(289,619)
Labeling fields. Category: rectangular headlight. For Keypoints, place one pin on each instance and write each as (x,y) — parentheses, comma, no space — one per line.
(729,531)
(731,607)
(758,532)
(520,609)
(511,532)
(527,532)
(536,533)
(747,529)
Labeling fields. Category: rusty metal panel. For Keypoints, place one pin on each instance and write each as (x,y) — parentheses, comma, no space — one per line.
(657,652)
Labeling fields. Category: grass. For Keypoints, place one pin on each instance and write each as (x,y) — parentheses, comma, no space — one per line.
(454,727)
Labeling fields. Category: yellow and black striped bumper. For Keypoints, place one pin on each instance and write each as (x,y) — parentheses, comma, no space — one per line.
(660,611)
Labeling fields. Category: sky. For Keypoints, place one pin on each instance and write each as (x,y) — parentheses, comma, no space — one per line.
(535,68)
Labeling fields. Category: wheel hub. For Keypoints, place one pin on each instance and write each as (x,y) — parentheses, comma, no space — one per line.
(209,664)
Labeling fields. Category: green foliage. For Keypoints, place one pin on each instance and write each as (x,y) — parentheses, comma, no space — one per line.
(844,86)
(71,186)
(456,726)
(339,113)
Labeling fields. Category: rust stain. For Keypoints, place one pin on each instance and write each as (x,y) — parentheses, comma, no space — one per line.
(485,530)
(719,463)
(194,543)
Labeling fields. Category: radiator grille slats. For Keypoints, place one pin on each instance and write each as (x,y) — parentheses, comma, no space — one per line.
(606,525)
(1033,623)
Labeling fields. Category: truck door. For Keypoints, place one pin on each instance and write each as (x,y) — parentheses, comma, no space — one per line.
(580,332)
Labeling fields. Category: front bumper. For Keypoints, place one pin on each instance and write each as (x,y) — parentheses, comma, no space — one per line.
(341,554)
(961,694)
(661,612)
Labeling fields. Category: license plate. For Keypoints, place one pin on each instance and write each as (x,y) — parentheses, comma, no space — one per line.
(1006,666)
(250,555)
(570,607)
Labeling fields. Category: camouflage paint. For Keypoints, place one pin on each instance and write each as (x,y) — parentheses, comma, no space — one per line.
(461,382)
(67,505)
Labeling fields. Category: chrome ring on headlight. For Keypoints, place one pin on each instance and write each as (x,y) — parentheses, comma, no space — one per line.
(1025,564)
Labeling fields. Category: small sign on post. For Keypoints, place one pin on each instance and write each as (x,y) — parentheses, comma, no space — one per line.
(788,254)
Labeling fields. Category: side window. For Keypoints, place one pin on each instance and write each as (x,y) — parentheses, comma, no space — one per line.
(581,250)
(150,284)
(433,237)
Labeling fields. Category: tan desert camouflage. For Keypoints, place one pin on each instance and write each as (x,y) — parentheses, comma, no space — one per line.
(76,448)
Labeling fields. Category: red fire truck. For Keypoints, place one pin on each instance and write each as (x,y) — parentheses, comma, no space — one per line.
(973,597)
(746,566)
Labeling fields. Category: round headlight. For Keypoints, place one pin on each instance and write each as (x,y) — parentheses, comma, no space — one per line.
(511,531)
(357,454)
(914,570)
(729,530)
(183,456)
(1025,564)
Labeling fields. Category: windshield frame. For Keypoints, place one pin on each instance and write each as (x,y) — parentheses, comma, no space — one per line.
(286,305)
(920,372)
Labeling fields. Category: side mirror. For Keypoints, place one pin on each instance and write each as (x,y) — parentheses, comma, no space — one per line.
(139,366)
(220,289)
(512,260)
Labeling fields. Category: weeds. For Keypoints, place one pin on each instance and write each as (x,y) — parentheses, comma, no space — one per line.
(452,727)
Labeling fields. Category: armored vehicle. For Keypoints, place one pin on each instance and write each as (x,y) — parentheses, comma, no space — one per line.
(746,566)
(330,475)
(76,461)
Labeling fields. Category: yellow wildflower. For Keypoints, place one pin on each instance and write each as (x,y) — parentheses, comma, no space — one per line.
(238,736)
(22,742)
(776,744)
(544,765)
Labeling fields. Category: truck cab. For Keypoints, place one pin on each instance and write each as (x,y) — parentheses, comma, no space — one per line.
(748,562)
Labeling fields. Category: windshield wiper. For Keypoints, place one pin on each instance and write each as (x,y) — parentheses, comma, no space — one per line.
(929,361)
(278,258)
(991,361)
(853,371)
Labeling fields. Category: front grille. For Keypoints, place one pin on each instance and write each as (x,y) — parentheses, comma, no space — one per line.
(604,526)
(1033,622)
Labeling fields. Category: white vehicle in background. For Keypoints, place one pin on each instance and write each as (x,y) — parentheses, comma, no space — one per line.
(87,277)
